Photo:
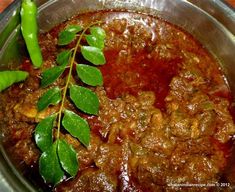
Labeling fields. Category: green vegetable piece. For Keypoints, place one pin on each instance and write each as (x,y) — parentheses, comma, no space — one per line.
(89,75)
(98,32)
(43,133)
(207,105)
(93,55)
(8,78)
(49,166)
(29,30)
(74,28)
(77,127)
(51,97)
(94,41)
(50,75)
(68,157)
(84,99)
(66,37)
(63,57)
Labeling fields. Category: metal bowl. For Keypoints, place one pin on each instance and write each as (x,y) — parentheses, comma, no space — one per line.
(211,22)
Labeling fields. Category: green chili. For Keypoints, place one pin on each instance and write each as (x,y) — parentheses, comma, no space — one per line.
(29,30)
(8,78)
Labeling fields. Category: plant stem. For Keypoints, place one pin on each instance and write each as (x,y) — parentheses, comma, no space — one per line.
(72,61)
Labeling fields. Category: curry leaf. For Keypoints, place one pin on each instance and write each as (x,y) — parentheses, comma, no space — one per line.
(8,78)
(89,75)
(63,57)
(59,158)
(94,41)
(68,157)
(93,55)
(84,99)
(66,37)
(49,165)
(98,32)
(50,75)
(51,97)
(74,28)
(77,127)
(43,133)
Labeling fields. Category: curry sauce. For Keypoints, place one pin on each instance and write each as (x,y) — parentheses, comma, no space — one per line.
(164,122)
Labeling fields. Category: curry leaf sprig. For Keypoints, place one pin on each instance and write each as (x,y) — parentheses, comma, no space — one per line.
(59,158)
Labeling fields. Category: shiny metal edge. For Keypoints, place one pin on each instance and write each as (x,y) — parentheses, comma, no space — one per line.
(4,16)
(14,182)
(220,10)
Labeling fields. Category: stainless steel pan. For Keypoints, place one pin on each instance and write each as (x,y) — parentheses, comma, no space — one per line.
(212,22)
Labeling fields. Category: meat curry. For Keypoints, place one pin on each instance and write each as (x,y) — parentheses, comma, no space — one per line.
(164,121)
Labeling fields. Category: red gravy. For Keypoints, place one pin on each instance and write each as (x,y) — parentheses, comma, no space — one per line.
(164,117)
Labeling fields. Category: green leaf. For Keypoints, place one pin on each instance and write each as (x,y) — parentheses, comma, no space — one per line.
(89,75)
(68,157)
(43,133)
(98,32)
(66,37)
(8,78)
(63,57)
(74,28)
(49,76)
(49,166)
(93,55)
(94,41)
(77,127)
(51,97)
(84,99)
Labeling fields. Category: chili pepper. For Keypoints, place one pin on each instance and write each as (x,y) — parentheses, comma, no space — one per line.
(29,30)
(7,78)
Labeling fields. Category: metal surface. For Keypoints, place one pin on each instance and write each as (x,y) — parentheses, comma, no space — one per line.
(210,21)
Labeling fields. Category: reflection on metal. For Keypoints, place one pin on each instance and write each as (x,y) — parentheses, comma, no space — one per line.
(212,22)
